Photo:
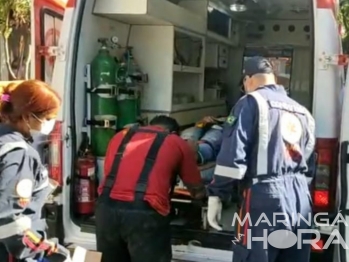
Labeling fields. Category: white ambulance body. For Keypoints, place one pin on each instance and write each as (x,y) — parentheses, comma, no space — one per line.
(306,28)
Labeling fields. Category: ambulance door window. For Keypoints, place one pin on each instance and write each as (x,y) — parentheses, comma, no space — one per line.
(281,61)
(50,29)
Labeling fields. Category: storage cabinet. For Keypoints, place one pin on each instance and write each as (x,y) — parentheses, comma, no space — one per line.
(174,64)
(188,69)
(216,56)
(150,12)
(170,44)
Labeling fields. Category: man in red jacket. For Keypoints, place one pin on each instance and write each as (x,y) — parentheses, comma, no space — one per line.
(132,215)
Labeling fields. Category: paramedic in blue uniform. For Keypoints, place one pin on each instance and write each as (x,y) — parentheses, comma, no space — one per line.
(26,110)
(268,142)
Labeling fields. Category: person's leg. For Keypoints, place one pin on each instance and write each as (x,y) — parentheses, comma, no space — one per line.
(302,207)
(149,239)
(4,256)
(258,208)
(109,241)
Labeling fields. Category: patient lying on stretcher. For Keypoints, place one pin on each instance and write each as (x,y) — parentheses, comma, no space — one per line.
(206,139)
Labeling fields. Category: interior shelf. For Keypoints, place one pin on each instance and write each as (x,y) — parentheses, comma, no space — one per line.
(197,105)
(188,69)
(150,12)
(213,37)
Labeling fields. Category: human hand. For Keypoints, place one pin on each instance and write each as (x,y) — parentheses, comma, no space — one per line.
(208,120)
(214,212)
(59,253)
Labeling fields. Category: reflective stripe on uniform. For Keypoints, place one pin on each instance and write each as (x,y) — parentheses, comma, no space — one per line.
(8,147)
(309,148)
(16,227)
(44,183)
(230,172)
(309,180)
(263,134)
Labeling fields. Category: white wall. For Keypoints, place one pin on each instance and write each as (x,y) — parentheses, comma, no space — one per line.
(153,50)
(282,37)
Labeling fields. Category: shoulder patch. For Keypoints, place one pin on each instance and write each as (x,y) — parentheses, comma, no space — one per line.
(24,188)
(231,120)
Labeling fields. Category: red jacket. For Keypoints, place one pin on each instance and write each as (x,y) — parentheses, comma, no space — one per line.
(173,155)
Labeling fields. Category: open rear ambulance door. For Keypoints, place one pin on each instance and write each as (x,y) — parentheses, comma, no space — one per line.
(47,17)
(344,170)
(47,20)
(55,26)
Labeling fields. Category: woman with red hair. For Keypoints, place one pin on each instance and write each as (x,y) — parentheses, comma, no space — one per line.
(25,110)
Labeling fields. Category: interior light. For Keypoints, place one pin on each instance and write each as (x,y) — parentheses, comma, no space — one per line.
(209,9)
(238,7)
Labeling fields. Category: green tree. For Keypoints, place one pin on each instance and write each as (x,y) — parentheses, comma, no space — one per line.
(14,14)
(344,20)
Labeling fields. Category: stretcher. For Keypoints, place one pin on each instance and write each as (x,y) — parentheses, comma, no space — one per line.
(189,216)
(206,172)
(181,195)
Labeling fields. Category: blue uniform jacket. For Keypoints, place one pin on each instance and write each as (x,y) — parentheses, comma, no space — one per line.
(266,134)
(24,187)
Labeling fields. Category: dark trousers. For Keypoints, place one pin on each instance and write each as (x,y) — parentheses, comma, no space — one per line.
(132,232)
(284,199)
(4,256)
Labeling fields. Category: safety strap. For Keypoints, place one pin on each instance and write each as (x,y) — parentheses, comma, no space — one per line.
(112,91)
(142,182)
(111,178)
(149,163)
(101,123)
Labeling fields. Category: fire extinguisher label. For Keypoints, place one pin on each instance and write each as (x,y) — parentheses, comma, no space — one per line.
(91,171)
(83,191)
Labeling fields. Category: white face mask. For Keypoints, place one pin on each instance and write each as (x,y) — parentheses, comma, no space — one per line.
(46,126)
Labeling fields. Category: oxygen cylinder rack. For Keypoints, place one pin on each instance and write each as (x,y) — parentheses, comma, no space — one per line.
(115,90)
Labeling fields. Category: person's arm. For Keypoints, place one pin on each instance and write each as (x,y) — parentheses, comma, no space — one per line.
(19,189)
(189,172)
(309,154)
(238,135)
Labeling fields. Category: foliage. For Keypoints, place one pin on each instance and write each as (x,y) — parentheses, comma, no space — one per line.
(13,14)
(344,20)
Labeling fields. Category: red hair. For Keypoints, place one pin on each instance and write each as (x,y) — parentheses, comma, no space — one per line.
(29,97)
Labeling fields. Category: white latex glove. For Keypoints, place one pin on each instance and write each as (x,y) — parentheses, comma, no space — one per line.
(214,212)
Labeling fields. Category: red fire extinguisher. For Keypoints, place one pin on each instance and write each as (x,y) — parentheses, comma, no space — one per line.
(85,185)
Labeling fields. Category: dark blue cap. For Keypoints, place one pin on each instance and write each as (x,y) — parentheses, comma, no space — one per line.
(257,65)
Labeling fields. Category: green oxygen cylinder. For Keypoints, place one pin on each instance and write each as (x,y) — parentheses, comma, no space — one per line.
(128,110)
(103,99)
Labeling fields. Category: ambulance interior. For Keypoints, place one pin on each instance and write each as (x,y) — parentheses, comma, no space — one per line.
(193,52)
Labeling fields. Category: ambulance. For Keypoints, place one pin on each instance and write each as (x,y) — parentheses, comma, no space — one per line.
(192,52)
